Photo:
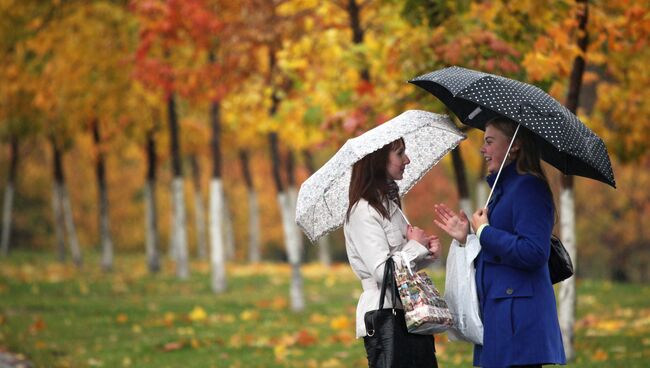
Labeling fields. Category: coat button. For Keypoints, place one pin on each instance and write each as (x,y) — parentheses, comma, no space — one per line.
(509,291)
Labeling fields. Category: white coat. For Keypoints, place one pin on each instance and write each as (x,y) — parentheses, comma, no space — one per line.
(369,240)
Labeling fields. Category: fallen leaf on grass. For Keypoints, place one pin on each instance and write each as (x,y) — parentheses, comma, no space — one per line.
(172,346)
(198,314)
(600,355)
(304,338)
(341,323)
(122,318)
(37,326)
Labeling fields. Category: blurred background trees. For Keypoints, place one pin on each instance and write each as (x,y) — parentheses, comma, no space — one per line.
(107,108)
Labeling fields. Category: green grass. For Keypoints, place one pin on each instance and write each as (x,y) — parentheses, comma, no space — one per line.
(62,317)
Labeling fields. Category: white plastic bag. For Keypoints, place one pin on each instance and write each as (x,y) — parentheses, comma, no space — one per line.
(460,292)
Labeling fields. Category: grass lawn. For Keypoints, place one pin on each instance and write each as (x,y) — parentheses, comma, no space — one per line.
(62,317)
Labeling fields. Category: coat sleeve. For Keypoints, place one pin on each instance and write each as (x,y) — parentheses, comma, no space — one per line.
(529,246)
(366,231)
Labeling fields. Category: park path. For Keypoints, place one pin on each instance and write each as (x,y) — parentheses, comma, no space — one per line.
(10,360)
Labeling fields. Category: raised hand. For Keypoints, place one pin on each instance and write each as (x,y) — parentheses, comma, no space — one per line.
(417,234)
(456,225)
(479,218)
(434,246)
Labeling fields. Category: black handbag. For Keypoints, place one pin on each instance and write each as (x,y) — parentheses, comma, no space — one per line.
(388,343)
(560,266)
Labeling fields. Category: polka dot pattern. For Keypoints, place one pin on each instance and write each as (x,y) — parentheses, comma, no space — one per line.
(566,142)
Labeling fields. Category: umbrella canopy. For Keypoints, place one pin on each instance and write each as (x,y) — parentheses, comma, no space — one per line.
(565,142)
(323,197)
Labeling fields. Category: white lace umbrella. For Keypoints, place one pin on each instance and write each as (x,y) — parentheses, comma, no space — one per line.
(323,197)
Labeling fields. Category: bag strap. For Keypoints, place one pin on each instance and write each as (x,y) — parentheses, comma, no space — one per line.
(388,281)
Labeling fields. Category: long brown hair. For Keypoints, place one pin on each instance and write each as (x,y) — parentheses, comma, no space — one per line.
(370,179)
(528,159)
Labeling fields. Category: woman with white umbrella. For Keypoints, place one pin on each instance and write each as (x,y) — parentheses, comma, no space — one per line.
(374,229)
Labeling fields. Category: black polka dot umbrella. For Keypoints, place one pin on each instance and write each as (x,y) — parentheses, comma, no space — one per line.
(477,97)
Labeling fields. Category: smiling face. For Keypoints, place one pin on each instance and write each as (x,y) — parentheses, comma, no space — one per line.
(397,161)
(495,148)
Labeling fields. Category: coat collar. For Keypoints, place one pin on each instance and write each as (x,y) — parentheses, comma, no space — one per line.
(509,171)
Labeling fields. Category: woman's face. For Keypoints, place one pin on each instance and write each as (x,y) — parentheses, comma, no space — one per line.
(495,148)
(397,161)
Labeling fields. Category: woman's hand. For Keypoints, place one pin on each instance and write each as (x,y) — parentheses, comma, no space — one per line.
(456,225)
(417,234)
(434,246)
(479,218)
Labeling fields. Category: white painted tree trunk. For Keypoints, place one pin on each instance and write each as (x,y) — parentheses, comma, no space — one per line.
(151,241)
(481,195)
(179,231)
(7,205)
(199,217)
(229,232)
(254,251)
(287,211)
(217,251)
(105,233)
(567,307)
(59,223)
(324,250)
(70,227)
(466,206)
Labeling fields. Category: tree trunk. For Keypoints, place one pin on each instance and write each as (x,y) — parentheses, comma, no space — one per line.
(254,252)
(354,13)
(104,222)
(288,217)
(59,223)
(288,225)
(229,232)
(70,227)
(199,212)
(8,201)
(63,211)
(217,250)
(567,307)
(293,197)
(151,222)
(179,231)
(461,181)
(324,243)
(481,188)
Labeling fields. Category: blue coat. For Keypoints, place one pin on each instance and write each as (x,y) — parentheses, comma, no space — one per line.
(515,292)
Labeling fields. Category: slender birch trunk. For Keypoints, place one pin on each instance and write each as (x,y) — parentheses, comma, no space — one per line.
(229,232)
(481,188)
(567,308)
(324,243)
(293,198)
(179,231)
(567,290)
(217,250)
(7,203)
(287,213)
(288,216)
(104,222)
(59,223)
(70,227)
(63,210)
(151,221)
(254,252)
(199,212)
(461,181)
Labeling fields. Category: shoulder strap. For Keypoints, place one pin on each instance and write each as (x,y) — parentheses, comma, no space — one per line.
(388,281)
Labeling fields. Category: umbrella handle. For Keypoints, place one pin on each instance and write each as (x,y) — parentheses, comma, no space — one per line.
(501,168)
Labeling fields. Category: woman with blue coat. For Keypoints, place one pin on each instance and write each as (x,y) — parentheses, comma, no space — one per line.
(515,293)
